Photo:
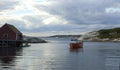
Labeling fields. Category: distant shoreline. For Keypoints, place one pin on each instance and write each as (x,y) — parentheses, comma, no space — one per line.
(101,41)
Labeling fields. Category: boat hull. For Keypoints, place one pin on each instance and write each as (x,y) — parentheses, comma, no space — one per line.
(76,45)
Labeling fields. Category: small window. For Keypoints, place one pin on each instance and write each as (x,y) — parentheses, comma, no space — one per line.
(5,36)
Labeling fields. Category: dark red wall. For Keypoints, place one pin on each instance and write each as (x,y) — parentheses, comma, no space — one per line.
(9,31)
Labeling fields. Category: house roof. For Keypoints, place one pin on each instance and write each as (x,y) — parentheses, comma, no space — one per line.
(13,28)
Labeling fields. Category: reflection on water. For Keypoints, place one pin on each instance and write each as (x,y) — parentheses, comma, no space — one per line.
(76,50)
(112,58)
(8,55)
(56,55)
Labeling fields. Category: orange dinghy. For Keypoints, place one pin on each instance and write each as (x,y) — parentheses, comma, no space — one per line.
(76,45)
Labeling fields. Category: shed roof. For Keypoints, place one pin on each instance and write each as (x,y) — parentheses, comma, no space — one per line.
(13,28)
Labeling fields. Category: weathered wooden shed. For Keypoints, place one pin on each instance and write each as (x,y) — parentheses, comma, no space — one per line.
(10,35)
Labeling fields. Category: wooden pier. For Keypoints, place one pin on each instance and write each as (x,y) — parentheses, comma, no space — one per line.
(14,43)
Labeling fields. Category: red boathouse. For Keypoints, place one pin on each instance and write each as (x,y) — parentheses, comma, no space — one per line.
(10,35)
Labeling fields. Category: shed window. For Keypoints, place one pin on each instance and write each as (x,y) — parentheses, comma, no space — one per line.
(5,36)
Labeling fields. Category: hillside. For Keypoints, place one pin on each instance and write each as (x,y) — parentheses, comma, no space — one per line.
(103,35)
(109,33)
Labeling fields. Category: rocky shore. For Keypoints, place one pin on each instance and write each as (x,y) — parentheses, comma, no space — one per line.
(34,40)
(102,40)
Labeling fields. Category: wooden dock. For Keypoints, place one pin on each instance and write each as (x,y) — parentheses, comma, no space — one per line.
(14,43)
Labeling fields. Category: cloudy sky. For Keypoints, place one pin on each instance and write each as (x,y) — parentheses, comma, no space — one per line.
(51,17)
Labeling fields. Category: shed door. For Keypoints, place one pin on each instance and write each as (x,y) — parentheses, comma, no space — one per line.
(16,36)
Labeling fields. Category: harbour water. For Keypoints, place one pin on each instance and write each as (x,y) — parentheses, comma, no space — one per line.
(56,55)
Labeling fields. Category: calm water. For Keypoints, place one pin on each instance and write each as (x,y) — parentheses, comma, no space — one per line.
(56,55)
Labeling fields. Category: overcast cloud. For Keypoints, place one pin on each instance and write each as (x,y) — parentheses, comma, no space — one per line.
(49,17)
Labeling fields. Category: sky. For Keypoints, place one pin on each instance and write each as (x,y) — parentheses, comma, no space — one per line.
(53,17)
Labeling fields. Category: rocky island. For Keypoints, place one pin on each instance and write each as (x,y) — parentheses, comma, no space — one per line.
(34,39)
